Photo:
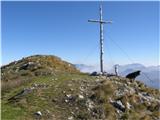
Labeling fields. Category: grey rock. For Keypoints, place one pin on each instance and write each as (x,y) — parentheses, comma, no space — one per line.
(94,73)
(118,104)
(25,91)
(70,118)
(129,106)
(38,113)
(70,98)
(81,96)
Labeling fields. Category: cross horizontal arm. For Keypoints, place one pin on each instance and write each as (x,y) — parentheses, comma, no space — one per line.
(105,22)
(93,21)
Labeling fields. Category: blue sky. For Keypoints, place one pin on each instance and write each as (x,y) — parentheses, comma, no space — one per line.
(61,29)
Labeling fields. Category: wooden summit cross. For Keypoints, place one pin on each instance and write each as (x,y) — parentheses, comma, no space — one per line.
(101,22)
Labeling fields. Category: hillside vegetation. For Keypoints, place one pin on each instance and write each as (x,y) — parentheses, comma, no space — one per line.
(24,70)
(55,90)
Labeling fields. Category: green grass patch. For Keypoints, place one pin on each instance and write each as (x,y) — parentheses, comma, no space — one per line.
(11,112)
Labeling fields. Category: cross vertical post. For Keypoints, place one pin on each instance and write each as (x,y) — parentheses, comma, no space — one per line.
(101,22)
(101,41)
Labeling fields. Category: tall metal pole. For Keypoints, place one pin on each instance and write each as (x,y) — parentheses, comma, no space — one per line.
(101,22)
(101,41)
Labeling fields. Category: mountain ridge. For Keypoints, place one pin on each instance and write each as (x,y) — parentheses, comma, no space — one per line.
(67,94)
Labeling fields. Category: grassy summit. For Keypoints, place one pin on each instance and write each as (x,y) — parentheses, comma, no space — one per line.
(55,90)
(21,71)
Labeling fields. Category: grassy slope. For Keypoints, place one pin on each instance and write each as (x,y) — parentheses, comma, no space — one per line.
(42,100)
(38,100)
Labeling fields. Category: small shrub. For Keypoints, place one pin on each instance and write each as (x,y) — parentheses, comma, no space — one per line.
(125,116)
(5,86)
(110,111)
